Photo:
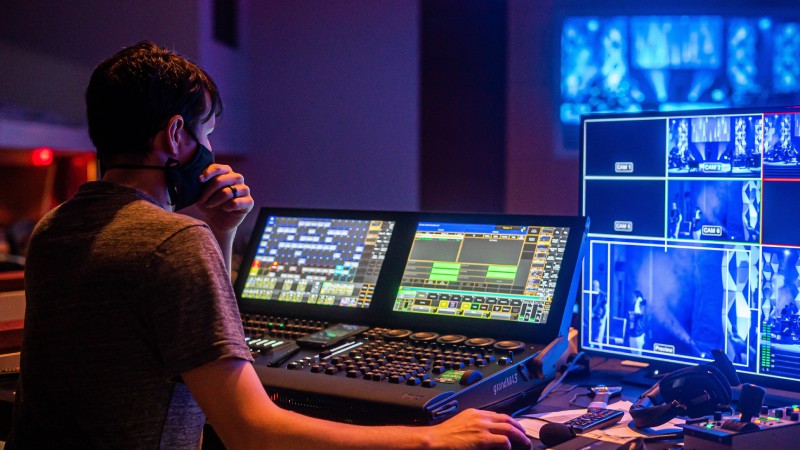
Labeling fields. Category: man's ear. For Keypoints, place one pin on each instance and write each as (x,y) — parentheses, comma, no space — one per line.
(173,135)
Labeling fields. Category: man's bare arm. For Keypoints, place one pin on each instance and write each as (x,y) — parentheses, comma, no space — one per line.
(238,408)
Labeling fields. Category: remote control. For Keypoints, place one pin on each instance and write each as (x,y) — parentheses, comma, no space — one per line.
(595,418)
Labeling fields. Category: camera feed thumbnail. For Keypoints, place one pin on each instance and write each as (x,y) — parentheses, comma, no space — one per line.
(717,210)
(780,317)
(671,303)
(625,148)
(626,207)
(781,215)
(715,146)
(781,139)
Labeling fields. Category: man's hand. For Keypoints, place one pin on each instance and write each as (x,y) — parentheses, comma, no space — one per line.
(474,429)
(226,200)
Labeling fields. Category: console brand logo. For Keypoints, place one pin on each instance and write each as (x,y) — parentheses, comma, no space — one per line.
(712,230)
(512,379)
(623,167)
(623,225)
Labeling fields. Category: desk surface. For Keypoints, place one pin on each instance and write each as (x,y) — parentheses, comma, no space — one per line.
(573,392)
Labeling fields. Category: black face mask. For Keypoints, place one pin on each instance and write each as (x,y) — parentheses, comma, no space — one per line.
(184,183)
(183,180)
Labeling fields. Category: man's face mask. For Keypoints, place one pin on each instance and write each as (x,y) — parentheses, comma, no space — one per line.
(183,180)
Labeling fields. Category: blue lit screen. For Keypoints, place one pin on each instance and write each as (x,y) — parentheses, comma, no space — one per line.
(630,63)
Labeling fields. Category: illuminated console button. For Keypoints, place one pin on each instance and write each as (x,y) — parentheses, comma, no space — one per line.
(413,381)
(397,379)
(430,382)
(378,376)
(470,377)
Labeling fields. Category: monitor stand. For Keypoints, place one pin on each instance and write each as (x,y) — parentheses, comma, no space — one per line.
(646,376)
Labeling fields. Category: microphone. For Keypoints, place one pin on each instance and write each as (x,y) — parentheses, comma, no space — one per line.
(552,434)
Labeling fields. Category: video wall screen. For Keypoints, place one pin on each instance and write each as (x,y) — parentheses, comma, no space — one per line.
(633,63)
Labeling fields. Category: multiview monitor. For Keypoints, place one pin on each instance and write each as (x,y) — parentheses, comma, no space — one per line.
(694,243)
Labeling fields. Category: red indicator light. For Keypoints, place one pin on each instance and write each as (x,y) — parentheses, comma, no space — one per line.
(42,156)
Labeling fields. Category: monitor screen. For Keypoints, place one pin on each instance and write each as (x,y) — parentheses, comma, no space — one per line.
(693,245)
(482,271)
(318,261)
(625,59)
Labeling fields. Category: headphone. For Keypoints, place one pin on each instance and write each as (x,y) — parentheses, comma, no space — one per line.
(692,391)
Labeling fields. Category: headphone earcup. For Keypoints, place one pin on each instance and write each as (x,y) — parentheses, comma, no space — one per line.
(645,415)
(720,387)
(698,389)
(651,408)
(691,391)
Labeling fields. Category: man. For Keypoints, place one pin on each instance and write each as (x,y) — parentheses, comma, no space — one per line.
(636,325)
(675,219)
(599,312)
(132,333)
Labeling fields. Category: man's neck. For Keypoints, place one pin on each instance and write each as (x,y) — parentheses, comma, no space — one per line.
(150,181)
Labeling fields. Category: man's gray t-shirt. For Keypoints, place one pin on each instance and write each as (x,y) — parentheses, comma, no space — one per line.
(122,297)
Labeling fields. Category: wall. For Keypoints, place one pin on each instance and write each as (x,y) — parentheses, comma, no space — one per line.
(334,113)
(322,97)
(541,176)
(48,48)
(229,67)
(463,105)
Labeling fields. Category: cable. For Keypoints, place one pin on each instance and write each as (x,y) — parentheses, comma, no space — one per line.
(558,380)
(552,385)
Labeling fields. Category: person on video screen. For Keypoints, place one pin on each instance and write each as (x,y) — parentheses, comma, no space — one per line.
(697,224)
(675,219)
(599,312)
(636,323)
